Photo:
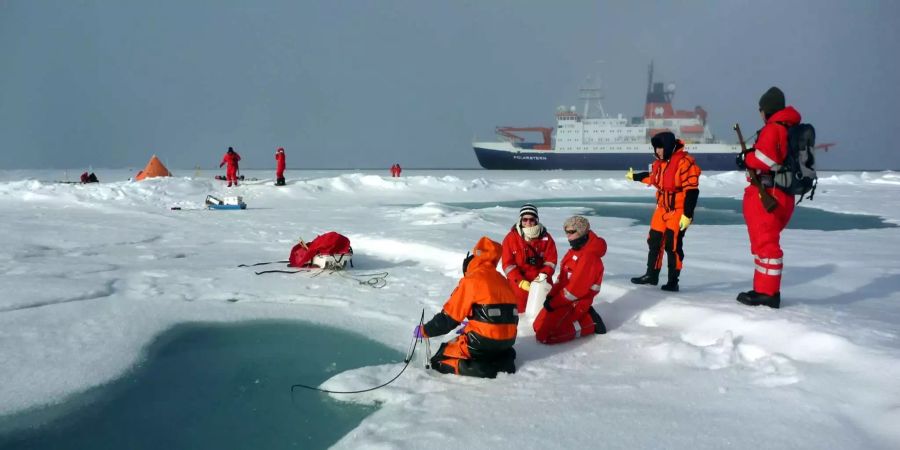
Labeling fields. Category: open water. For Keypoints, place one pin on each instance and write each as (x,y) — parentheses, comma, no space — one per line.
(212,386)
(710,211)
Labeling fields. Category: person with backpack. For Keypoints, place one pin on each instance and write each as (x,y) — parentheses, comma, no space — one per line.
(279,167)
(529,254)
(568,311)
(764,227)
(231,158)
(486,306)
(676,177)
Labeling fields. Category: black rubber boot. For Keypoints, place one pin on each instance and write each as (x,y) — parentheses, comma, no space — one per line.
(651,277)
(672,285)
(753,298)
(599,326)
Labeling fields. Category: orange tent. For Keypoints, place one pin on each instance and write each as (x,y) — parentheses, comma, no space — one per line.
(154,168)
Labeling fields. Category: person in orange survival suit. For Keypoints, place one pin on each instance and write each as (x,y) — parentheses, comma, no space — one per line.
(676,177)
(529,254)
(568,312)
(764,227)
(485,344)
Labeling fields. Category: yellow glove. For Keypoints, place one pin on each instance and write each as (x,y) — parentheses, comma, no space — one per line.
(630,174)
(525,285)
(684,223)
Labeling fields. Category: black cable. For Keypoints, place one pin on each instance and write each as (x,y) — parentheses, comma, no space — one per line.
(262,263)
(406,361)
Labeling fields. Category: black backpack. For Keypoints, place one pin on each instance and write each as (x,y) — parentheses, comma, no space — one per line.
(797,174)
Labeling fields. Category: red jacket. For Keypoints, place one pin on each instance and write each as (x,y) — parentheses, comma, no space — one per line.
(279,158)
(580,273)
(231,159)
(771,145)
(517,251)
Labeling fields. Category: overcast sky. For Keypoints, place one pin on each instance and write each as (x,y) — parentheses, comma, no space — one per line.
(364,84)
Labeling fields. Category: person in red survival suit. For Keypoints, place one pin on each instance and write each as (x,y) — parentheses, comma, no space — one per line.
(279,167)
(764,227)
(485,344)
(676,177)
(529,254)
(568,312)
(231,158)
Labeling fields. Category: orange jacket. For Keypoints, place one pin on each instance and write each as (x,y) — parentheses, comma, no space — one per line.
(484,297)
(673,178)
(580,273)
(517,251)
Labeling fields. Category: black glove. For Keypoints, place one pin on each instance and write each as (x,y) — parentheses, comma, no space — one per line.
(547,304)
(739,161)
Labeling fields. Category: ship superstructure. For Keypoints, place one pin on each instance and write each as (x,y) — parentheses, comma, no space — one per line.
(593,140)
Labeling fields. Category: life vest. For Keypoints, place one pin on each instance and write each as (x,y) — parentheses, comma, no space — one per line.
(671,178)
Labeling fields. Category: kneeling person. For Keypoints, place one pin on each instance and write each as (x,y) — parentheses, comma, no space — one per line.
(568,312)
(485,345)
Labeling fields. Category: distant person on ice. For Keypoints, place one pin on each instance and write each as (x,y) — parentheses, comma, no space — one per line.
(92,178)
(676,177)
(529,254)
(766,155)
(279,167)
(483,297)
(231,158)
(568,312)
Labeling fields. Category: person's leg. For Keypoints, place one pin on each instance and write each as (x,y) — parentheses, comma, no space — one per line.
(563,324)
(655,242)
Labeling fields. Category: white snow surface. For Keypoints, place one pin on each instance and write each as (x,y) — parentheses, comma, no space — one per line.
(90,274)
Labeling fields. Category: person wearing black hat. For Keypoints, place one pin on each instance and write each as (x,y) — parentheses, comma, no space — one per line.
(529,253)
(676,177)
(231,158)
(764,227)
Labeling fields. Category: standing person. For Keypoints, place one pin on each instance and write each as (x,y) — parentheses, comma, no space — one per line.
(676,177)
(484,347)
(393,170)
(764,227)
(231,158)
(398,170)
(568,312)
(279,167)
(529,254)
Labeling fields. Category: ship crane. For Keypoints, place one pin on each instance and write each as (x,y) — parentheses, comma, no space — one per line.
(519,141)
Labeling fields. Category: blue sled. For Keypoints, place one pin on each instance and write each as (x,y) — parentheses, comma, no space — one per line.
(241,206)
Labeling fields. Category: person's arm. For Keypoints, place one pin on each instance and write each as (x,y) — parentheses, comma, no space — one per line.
(510,267)
(550,257)
(690,182)
(586,279)
(764,154)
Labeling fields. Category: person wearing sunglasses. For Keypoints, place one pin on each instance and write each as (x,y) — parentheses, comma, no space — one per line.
(676,177)
(568,310)
(529,254)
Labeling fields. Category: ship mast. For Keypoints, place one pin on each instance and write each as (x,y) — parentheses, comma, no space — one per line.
(591,94)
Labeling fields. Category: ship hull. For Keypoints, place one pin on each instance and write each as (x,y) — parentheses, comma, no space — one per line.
(549,160)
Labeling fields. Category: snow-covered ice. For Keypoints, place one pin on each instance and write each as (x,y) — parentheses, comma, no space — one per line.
(92,273)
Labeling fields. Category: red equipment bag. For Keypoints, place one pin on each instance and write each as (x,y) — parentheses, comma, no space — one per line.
(329,250)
